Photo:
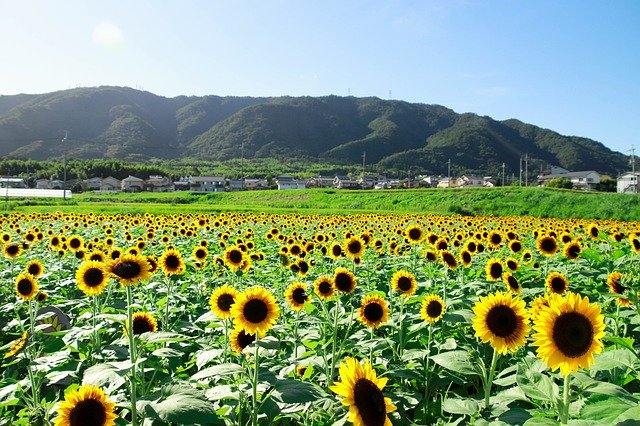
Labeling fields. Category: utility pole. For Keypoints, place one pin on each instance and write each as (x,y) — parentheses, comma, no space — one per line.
(449,172)
(502,174)
(364,156)
(526,169)
(64,157)
(521,170)
(633,170)
(242,166)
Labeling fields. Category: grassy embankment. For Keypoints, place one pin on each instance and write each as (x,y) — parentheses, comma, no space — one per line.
(475,201)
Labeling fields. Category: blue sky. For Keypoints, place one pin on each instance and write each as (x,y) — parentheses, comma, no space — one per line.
(570,66)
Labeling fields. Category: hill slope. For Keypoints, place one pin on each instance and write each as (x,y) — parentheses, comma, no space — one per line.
(117,122)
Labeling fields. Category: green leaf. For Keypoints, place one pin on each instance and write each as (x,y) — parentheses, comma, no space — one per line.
(540,421)
(589,385)
(617,358)
(457,361)
(220,370)
(536,385)
(107,374)
(467,406)
(167,353)
(606,410)
(203,357)
(163,337)
(294,392)
(184,406)
(632,414)
(624,342)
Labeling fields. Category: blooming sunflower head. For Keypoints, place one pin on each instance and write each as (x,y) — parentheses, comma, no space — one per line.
(86,405)
(547,245)
(557,283)
(323,287)
(296,295)
(12,250)
(361,391)
(92,277)
(501,320)
(234,258)
(432,309)
(449,259)
(240,339)
(373,311)
(572,250)
(512,283)
(569,333)
(494,269)
(255,310)
(614,282)
(17,346)
(414,233)
(35,268)
(354,247)
(404,282)
(130,269)
(26,286)
(221,301)
(344,280)
(171,262)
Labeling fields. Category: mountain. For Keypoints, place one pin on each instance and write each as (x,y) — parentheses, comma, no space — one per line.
(133,125)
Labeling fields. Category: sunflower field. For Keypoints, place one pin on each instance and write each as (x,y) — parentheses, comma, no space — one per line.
(247,319)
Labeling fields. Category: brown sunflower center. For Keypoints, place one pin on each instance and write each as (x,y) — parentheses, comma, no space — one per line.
(404,283)
(558,285)
(12,249)
(245,339)
(299,296)
(255,311)
(415,234)
(127,269)
(324,287)
(502,321)
(88,412)
(572,334)
(373,312)
(496,239)
(354,247)
(336,250)
(34,269)
(636,244)
(344,282)
(200,254)
(449,259)
(93,277)
(434,309)
(74,243)
(370,403)
(142,325)
(516,246)
(225,301)
(495,270)
(548,245)
(513,283)
(235,256)
(25,287)
(172,261)
(466,257)
(573,251)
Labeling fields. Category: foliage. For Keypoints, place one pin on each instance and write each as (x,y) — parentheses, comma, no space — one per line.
(560,182)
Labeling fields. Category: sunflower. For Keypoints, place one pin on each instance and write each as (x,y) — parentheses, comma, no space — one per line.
(527,256)
(335,251)
(512,283)
(557,283)
(432,309)
(414,233)
(501,320)
(200,253)
(344,280)
(96,255)
(572,250)
(494,269)
(593,231)
(75,243)
(297,295)
(404,282)
(635,243)
(12,250)
(234,258)
(361,391)
(449,259)
(373,312)
(323,287)
(613,282)
(542,302)
(35,268)
(26,286)
(143,322)
(92,277)
(255,310)
(171,262)
(221,301)
(17,345)
(354,247)
(239,339)
(129,269)
(569,333)
(512,264)
(547,245)
(86,405)
(465,258)
(515,246)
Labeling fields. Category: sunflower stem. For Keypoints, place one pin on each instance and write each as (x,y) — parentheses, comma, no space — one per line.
(426,373)
(132,355)
(96,337)
(254,383)
(564,413)
(401,331)
(489,378)
(226,339)
(371,346)
(165,324)
(35,387)
(333,342)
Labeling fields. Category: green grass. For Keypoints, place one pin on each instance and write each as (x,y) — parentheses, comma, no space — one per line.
(510,201)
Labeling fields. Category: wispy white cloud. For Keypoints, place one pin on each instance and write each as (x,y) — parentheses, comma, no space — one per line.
(108,35)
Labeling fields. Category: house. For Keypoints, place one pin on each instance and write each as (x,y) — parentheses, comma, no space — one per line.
(43,184)
(446,183)
(182,184)
(93,184)
(157,183)
(320,182)
(57,184)
(235,185)
(289,182)
(132,184)
(110,184)
(430,181)
(251,184)
(207,184)
(628,183)
(13,182)
(584,180)
(343,182)
(470,181)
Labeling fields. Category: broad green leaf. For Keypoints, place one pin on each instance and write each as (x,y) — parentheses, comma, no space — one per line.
(163,337)
(466,406)
(617,358)
(457,361)
(167,353)
(203,357)
(185,409)
(106,375)
(218,371)
(536,385)
(606,410)
(294,392)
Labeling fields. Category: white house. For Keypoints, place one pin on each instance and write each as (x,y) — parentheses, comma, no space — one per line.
(253,184)
(289,182)
(343,182)
(470,181)
(207,184)
(627,181)
(585,180)
(157,183)
(132,184)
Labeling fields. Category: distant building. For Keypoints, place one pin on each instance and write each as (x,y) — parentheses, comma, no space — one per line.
(157,183)
(207,184)
(289,182)
(320,182)
(344,182)
(13,182)
(251,184)
(585,180)
(43,184)
(132,184)
(93,184)
(110,184)
(627,183)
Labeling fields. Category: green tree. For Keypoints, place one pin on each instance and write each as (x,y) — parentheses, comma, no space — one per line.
(559,183)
